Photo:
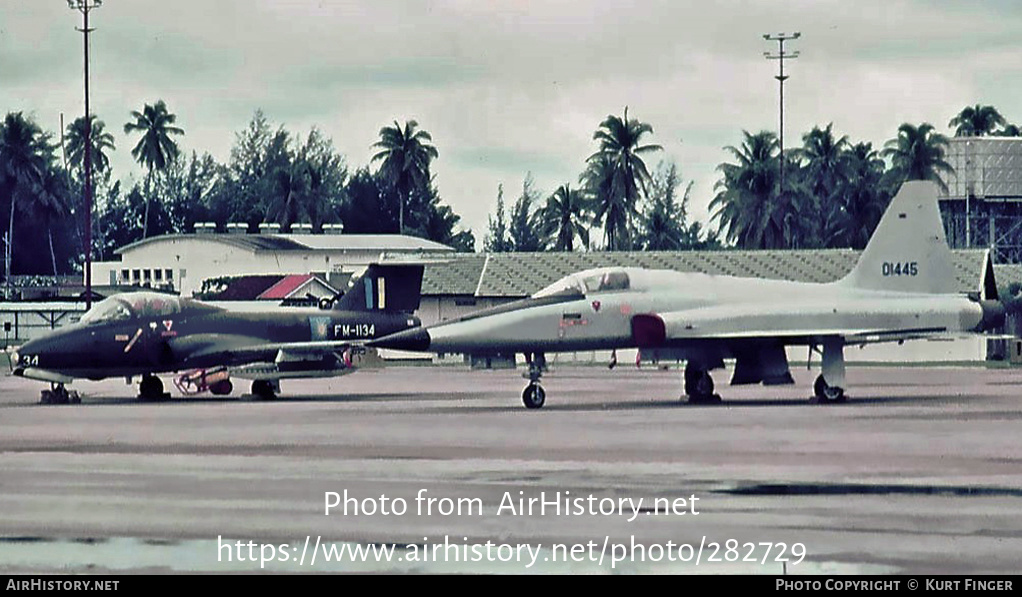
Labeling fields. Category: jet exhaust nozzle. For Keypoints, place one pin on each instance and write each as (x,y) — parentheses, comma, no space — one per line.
(416,339)
(993,315)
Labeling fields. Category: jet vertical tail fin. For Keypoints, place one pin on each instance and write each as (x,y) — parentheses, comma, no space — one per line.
(391,287)
(908,251)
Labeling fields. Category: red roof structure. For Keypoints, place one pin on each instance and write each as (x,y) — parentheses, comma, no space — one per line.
(282,289)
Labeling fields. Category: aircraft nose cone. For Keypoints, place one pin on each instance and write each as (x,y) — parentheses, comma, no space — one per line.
(416,339)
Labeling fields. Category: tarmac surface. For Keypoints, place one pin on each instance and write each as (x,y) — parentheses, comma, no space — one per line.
(920,472)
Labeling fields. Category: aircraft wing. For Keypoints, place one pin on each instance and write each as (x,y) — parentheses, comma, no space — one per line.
(239,348)
(858,322)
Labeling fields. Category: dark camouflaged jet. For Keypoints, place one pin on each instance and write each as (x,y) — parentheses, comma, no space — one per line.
(140,334)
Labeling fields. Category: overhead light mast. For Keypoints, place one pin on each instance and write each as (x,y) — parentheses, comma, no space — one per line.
(780,57)
(84,6)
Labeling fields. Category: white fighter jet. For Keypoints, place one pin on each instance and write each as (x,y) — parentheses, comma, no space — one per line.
(902,288)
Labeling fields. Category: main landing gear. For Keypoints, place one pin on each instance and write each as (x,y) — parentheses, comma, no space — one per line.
(265,389)
(58,394)
(534,396)
(699,385)
(829,386)
(150,389)
(826,393)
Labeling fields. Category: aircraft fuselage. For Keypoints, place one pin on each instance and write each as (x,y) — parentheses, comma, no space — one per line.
(157,344)
(606,320)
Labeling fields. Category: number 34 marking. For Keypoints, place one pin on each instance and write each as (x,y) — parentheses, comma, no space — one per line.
(908,268)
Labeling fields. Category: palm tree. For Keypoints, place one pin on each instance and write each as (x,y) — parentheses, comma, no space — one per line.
(24,157)
(618,175)
(747,203)
(976,121)
(918,154)
(406,155)
(563,218)
(155,150)
(99,139)
(50,204)
(820,214)
(865,194)
(826,164)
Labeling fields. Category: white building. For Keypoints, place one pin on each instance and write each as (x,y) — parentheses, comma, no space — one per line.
(180,262)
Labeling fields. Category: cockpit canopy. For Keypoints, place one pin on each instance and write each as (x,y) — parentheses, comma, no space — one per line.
(592,281)
(134,305)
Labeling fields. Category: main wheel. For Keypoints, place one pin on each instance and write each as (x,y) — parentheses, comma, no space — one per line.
(221,388)
(263,389)
(150,388)
(699,387)
(534,396)
(828,393)
(704,386)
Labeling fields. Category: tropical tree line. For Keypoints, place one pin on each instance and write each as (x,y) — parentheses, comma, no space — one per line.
(833,192)
(272,175)
(616,194)
(828,193)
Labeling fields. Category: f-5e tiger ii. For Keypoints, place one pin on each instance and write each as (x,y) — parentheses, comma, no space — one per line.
(902,288)
(145,333)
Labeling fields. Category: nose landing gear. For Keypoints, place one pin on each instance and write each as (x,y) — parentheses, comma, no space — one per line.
(534,396)
(58,394)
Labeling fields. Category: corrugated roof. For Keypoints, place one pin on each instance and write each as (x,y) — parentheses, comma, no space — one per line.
(457,276)
(515,275)
(1008,273)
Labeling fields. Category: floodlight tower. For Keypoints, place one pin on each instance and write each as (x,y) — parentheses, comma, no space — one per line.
(780,57)
(84,6)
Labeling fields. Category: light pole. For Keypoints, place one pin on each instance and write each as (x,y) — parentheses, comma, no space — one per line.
(780,57)
(84,6)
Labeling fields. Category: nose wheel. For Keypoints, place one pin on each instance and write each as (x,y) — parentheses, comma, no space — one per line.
(534,396)
(58,394)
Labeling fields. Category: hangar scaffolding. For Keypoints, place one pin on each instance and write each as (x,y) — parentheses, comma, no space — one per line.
(983,205)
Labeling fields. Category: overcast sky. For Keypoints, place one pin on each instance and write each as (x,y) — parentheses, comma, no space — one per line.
(508,87)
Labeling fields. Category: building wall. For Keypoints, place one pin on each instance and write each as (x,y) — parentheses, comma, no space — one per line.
(190,260)
(30,320)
